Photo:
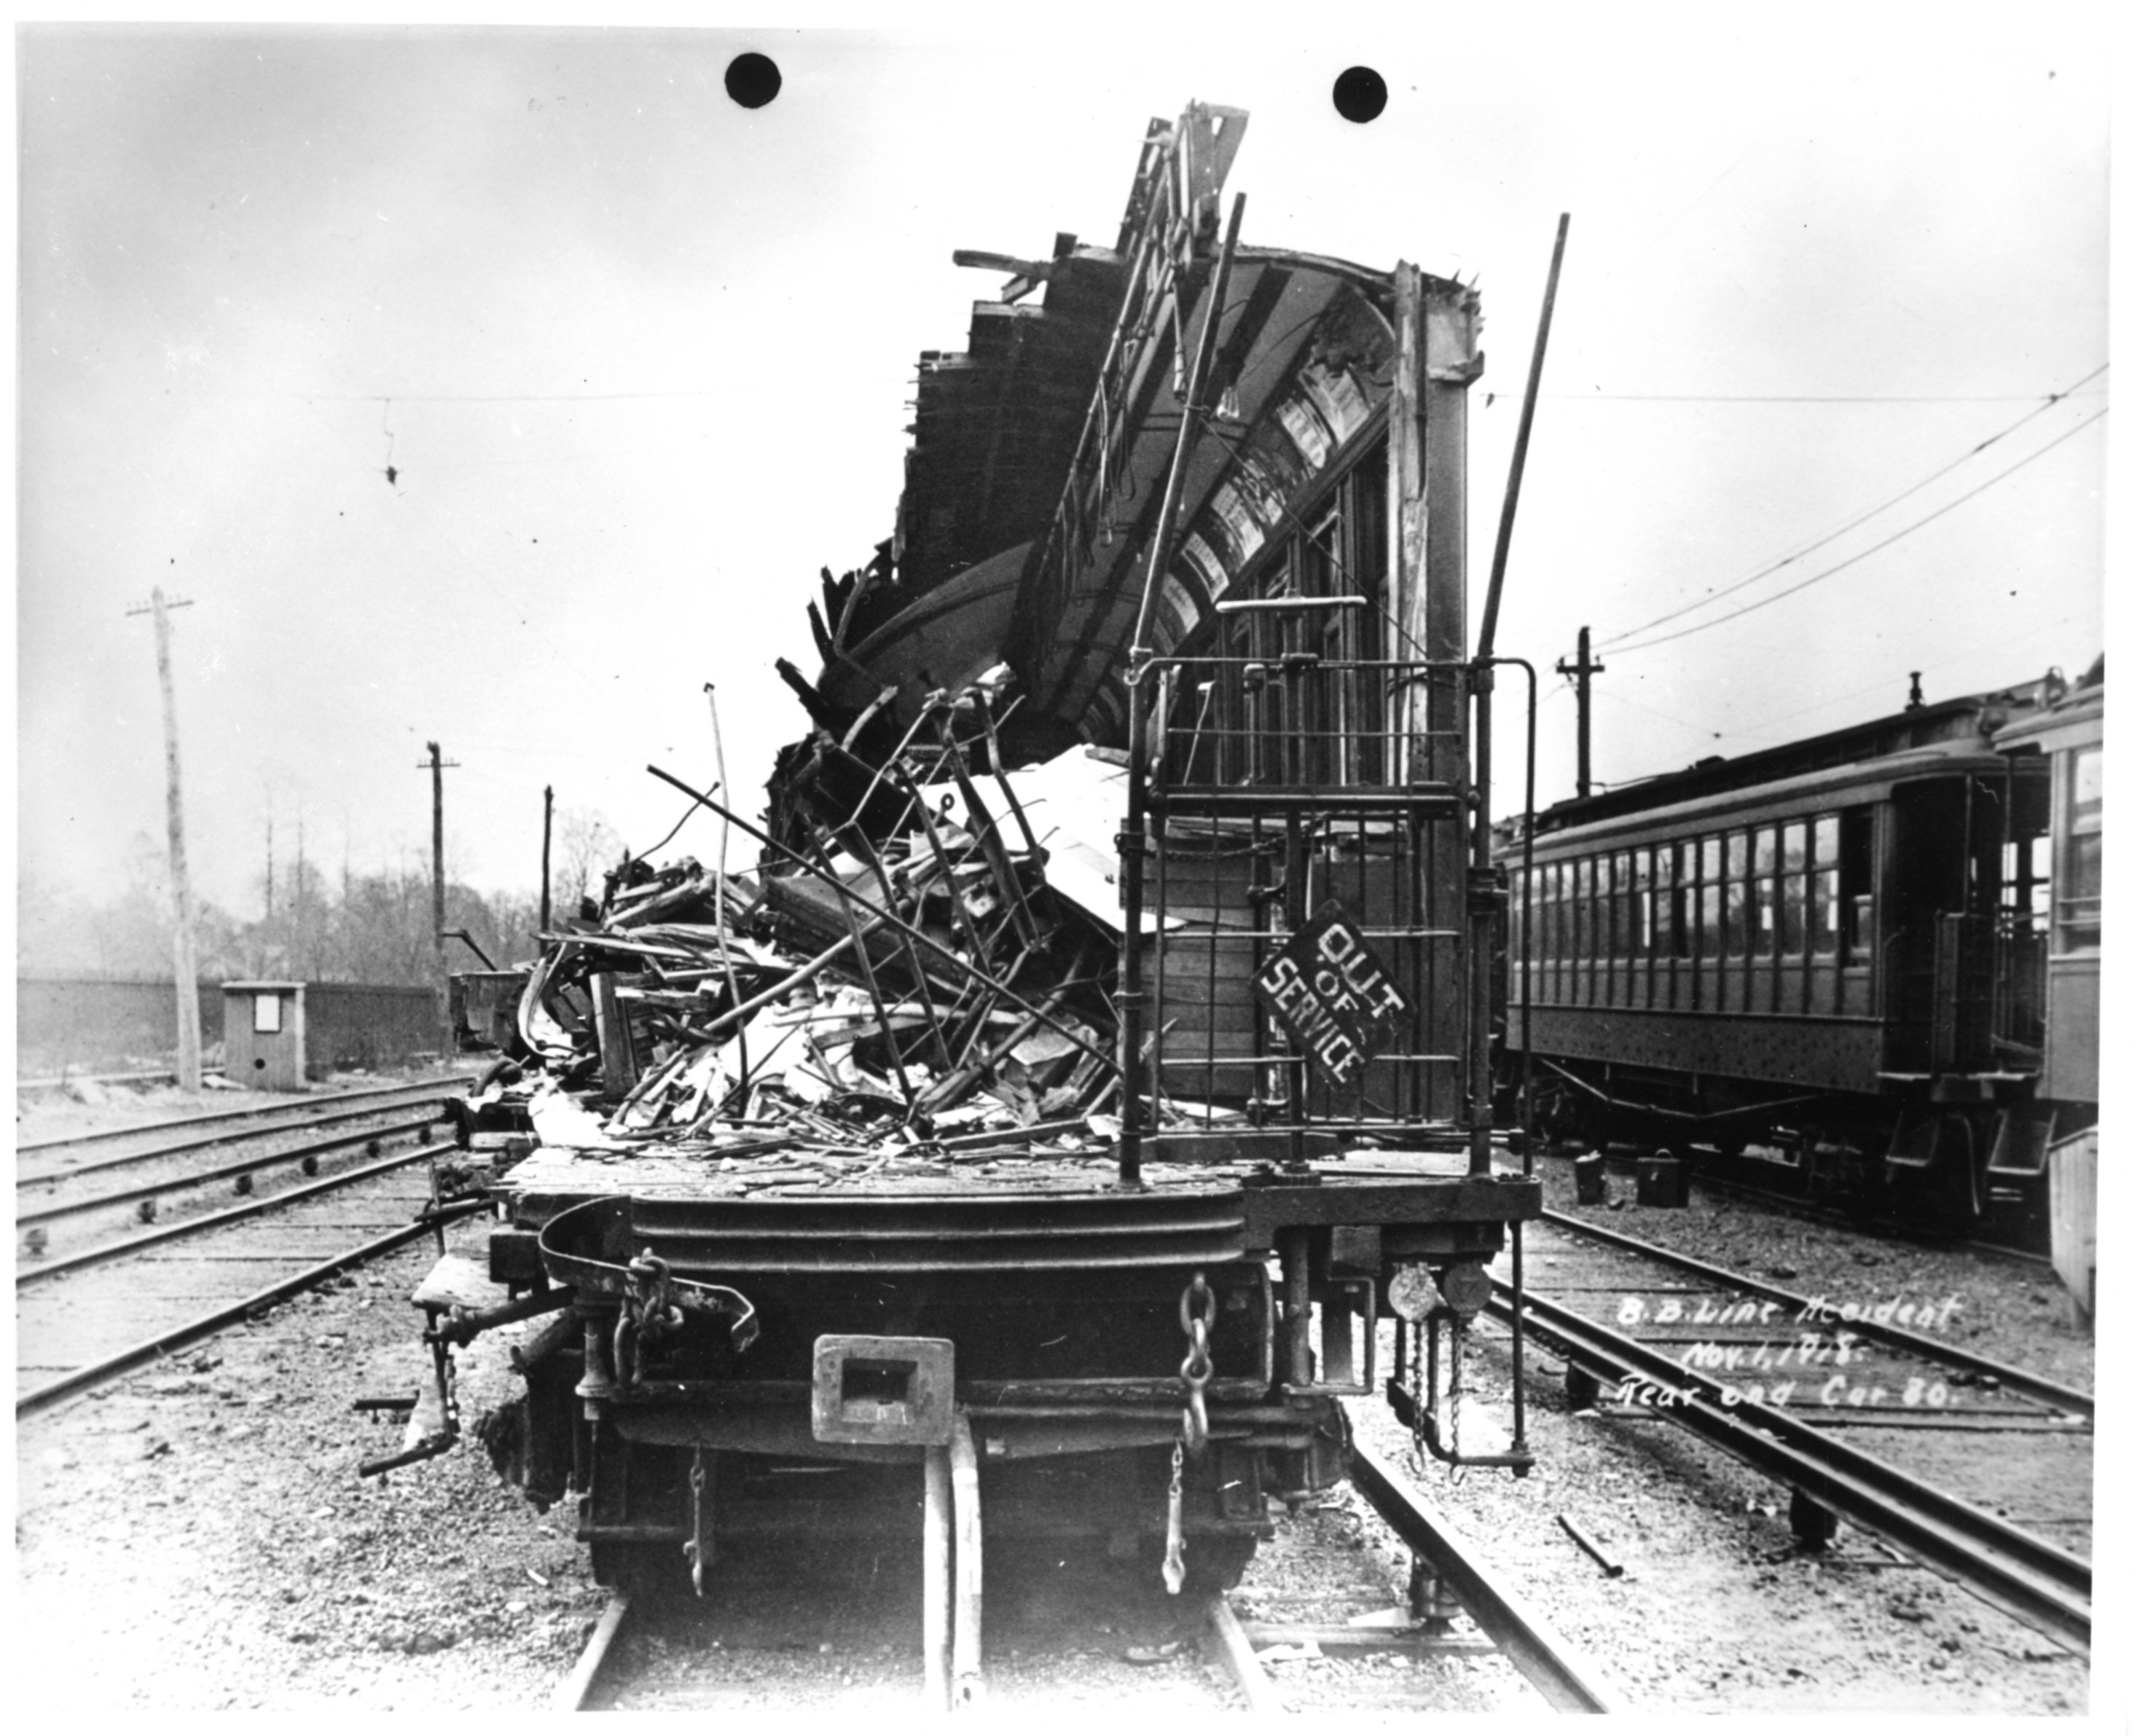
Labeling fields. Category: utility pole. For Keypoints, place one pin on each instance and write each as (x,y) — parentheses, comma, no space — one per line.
(439,855)
(544,870)
(182,929)
(440,893)
(1581,668)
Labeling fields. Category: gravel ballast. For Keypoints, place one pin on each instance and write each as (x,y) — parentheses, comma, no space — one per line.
(196,1538)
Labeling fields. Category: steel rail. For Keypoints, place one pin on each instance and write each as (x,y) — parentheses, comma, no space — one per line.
(92,1374)
(60,1140)
(1528,1639)
(174,1148)
(573,1694)
(2035,1581)
(1234,1650)
(222,1172)
(2055,1394)
(216,1220)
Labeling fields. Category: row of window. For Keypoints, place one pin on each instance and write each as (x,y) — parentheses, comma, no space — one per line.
(1792,890)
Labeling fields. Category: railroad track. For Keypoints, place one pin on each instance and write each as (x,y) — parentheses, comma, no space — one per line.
(1834,1397)
(757,1639)
(180,1133)
(83,1192)
(101,1310)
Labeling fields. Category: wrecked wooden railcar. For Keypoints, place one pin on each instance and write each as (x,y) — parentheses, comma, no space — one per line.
(1101,1051)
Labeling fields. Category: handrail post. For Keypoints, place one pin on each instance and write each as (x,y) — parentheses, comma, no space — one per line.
(1133,839)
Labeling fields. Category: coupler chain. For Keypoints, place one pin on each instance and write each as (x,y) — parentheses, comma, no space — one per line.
(1198,1367)
(647,1316)
(1197,1318)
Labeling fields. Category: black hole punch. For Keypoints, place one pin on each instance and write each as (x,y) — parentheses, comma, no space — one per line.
(753,81)
(1361,95)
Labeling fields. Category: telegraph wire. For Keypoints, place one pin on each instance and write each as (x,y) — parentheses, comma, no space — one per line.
(2046,398)
(1791,590)
(384,398)
(1893,684)
(1619,638)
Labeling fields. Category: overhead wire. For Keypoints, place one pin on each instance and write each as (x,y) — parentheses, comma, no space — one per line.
(1841,565)
(1776,566)
(1838,701)
(502,397)
(2042,398)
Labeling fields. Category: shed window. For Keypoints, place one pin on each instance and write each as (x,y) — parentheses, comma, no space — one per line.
(268,1015)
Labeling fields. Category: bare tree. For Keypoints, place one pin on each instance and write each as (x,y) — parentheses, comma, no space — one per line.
(584,845)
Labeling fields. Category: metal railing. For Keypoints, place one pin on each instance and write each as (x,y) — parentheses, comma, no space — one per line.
(1293,780)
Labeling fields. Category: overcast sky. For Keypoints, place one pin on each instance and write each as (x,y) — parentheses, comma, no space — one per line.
(640,358)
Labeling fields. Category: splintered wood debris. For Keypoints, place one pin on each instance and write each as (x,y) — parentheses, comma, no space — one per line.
(903,977)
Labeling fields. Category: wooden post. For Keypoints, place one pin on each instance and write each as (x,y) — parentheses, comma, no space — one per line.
(544,870)
(439,866)
(439,895)
(1581,668)
(614,1046)
(188,1008)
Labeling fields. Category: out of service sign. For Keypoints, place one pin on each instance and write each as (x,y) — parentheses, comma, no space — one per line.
(1332,996)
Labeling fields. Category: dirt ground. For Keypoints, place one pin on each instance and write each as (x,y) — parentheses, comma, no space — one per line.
(1717,1609)
(201,1530)
(196,1538)
(2012,1310)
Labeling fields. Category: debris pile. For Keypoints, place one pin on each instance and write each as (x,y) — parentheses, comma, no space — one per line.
(909,962)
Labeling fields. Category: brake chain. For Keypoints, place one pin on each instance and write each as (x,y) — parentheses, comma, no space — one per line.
(1420,1397)
(1174,1531)
(647,1314)
(1198,1367)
